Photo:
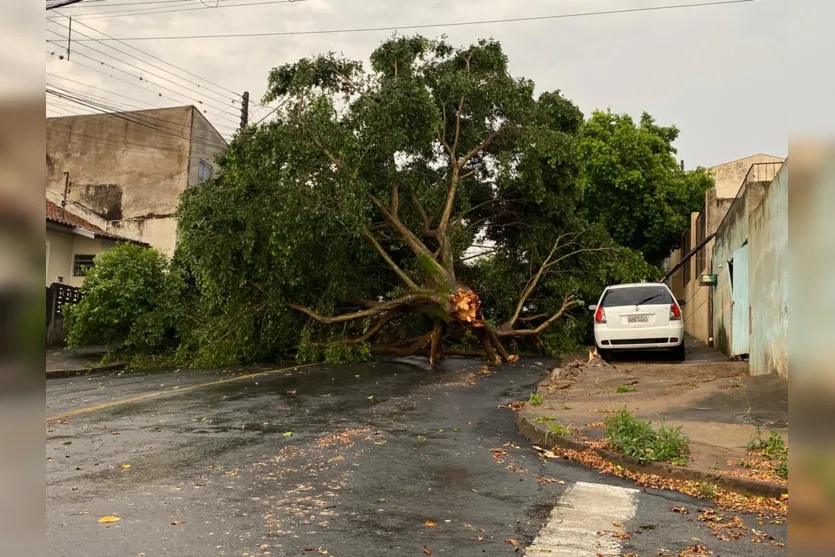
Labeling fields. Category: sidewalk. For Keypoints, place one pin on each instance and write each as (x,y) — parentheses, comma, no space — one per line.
(63,363)
(714,401)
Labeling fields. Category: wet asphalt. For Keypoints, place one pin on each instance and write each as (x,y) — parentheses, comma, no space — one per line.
(348,461)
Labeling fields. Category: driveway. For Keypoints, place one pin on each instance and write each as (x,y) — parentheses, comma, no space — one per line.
(362,460)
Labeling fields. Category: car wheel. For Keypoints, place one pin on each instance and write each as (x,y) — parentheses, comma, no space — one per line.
(605,354)
(678,353)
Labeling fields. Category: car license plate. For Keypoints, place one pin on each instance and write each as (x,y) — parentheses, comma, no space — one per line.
(638,319)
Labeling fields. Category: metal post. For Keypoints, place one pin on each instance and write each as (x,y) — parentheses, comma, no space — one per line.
(66,194)
(69,39)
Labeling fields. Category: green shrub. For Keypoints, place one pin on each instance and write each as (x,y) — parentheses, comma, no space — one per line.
(559,429)
(542,420)
(636,438)
(773,447)
(625,389)
(535,399)
(782,468)
(129,297)
(706,490)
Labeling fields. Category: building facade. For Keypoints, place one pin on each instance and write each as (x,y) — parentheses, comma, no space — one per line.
(124,172)
(729,178)
(71,245)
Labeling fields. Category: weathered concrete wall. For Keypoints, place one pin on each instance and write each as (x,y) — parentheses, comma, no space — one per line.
(130,169)
(206,144)
(768,238)
(732,234)
(729,176)
(159,232)
(62,246)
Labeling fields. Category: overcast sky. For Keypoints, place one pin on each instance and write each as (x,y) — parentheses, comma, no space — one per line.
(715,72)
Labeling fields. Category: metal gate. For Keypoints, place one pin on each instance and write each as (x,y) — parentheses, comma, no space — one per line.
(740,312)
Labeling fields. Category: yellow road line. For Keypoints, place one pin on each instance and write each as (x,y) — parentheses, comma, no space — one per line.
(146,396)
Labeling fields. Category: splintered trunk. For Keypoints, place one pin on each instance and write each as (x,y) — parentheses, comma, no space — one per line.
(466,308)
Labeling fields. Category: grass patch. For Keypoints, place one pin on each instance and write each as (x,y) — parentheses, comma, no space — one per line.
(535,399)
(782,468)
(542,420)
(773,447)
(625,389)
(559,429)
(706,490)
(637,439)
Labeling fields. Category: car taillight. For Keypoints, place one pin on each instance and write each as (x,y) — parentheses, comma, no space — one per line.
(675,312)
(600,315)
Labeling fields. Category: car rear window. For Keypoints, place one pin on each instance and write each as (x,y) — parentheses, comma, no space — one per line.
(638,294)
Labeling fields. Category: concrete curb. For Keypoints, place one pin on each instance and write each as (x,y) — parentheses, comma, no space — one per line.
(538,433)
(61,373)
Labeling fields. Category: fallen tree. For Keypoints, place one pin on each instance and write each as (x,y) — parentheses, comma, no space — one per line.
(399,210)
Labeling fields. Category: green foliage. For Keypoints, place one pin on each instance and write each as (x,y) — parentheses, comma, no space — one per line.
(637,439)
(559,429)
(542,420)
(782,468)
(636,187)
(130,298)
(625,389)
(535,399)
(773,447)
(706,490)
(287,217)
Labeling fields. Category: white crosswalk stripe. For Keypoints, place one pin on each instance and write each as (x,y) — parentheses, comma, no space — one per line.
(584,510)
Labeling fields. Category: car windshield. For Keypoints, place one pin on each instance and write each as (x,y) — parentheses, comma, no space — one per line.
(637,295)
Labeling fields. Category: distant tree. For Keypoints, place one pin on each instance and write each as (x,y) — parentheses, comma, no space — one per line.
(634,185)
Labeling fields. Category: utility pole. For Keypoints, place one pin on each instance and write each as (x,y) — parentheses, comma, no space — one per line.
(66,194)
(245,109)
(682,165)
(69,39)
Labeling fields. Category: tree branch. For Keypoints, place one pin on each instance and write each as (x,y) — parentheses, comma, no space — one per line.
(425,219)
(532,284)
(365,336)
(487,141)
(568,303)
(395,267)
(395,199)
(381,308)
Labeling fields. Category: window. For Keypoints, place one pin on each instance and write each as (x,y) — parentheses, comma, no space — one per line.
(632,295)
(204,172)
(81,263)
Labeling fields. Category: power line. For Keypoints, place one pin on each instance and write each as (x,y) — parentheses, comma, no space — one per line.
(224,98)
(138,77)
(137,49)
(165,10)
(435,25)
(104,4)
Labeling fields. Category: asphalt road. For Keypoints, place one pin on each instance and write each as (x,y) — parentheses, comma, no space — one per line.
(347,461)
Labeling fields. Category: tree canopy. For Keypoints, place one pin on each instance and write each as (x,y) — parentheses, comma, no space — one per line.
(429,202)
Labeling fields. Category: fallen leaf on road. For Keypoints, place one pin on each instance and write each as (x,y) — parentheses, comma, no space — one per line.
(176,522)
(514,543)
(680,510)
(617,524)
(546,480)
(109,519)
(288,434)
(114,433)
(426,550)
(67,443)
(430,524)
(124,466)
(479,538)
(697,550)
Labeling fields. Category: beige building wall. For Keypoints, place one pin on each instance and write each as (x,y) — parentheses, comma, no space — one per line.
(131,168)
(729,176)
(61,248)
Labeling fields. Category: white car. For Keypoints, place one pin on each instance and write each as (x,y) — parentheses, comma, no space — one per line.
(638,317)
